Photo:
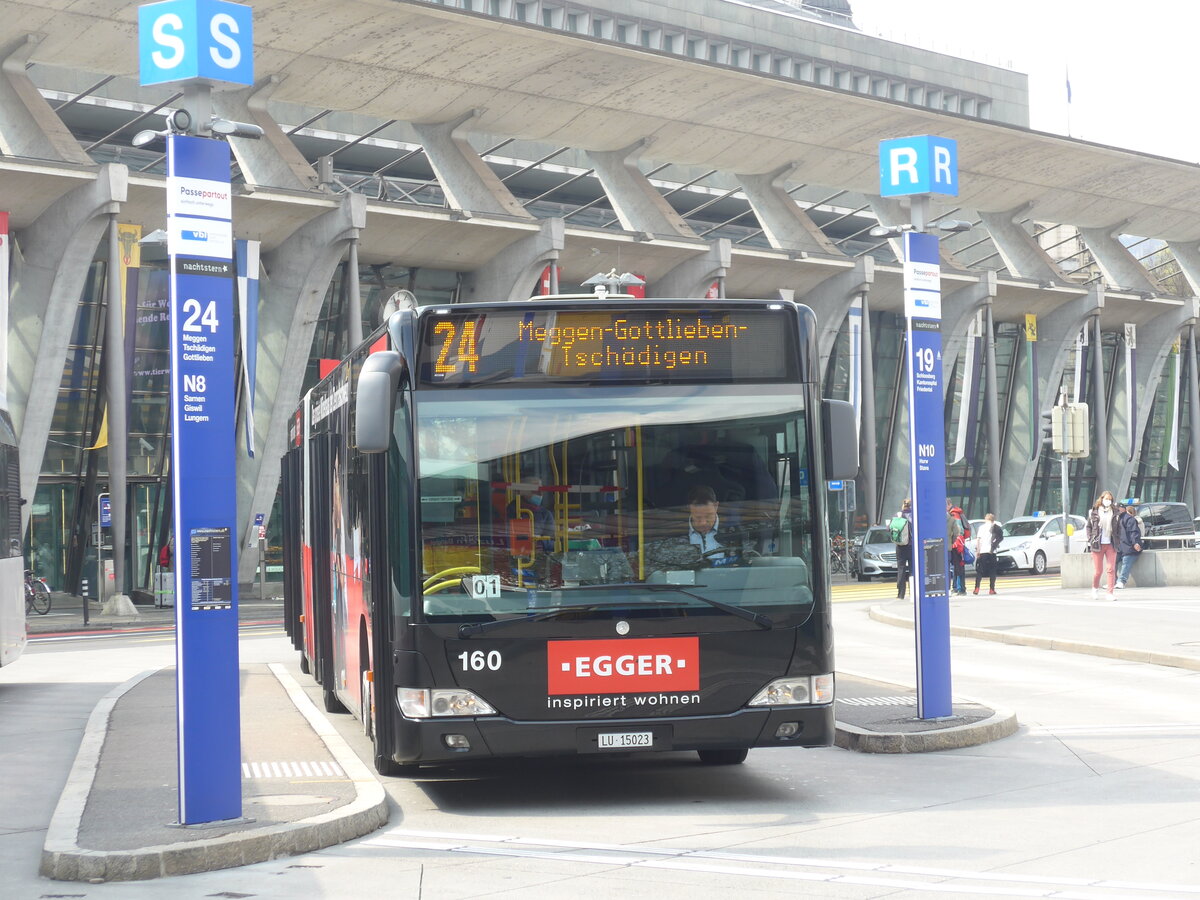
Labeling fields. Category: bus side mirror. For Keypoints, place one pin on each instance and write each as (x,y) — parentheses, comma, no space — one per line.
(841,439)
(375,400)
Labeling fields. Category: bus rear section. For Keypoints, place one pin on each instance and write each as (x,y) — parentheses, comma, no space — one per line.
(620,559)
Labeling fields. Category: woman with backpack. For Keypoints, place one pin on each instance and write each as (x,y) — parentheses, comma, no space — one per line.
(1128,540)
(987,539)
(901,533)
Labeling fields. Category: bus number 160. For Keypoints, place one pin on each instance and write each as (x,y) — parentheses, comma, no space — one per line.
(477,660)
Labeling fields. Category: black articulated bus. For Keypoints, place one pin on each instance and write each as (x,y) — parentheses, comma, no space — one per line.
(570,526)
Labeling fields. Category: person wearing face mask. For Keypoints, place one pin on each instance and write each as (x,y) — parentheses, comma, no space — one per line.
(1102,542)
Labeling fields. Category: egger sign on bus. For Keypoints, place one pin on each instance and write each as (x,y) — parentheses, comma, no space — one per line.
(616,672)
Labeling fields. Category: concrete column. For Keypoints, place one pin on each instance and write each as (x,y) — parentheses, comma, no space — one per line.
(469,183)
(28,126)
(1188,257)
(272,160)
(991,408)
(692,277)
(118,399)
(831,300)
(50,264)
(784,223)
(1021,254)
(1057,331)
(354,329)
(867,440)
(296,276)
(1099,408)
(1154,342)
(958,309)
(638,204)
(512,273)
(1120,268)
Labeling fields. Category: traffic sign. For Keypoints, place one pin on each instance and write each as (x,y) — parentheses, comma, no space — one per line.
(918,165)
(180,40)
(836,485)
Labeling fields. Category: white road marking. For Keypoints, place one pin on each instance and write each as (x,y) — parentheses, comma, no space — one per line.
(774,867)
(285,769)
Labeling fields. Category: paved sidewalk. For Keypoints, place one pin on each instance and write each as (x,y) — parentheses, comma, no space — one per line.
(1158,625)
(303,788)
(66,613)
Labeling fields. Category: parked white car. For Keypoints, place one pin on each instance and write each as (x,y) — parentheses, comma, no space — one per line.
(1035,543)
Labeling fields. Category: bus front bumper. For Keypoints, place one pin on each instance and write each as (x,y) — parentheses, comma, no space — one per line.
(444,741)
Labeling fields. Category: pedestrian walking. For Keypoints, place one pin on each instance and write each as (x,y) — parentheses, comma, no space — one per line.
(1101,542)
(957,532)
(987,539)
(901,532)
(1128,531)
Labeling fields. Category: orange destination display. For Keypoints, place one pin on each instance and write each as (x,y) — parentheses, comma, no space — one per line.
(646,346)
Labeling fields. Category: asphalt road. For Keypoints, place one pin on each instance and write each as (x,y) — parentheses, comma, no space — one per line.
(1099,788)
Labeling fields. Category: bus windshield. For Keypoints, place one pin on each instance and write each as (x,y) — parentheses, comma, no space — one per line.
(532,501)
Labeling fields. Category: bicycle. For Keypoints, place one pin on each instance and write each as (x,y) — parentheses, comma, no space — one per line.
(37,594)
(838,562)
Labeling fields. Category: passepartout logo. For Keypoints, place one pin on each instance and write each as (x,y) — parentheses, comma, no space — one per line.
(623,666)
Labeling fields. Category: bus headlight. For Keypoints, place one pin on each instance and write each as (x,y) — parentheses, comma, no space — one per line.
(424,703)
(807,690)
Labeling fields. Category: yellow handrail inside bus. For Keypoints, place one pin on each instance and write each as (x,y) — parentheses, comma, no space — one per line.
(450,573)
(441,586)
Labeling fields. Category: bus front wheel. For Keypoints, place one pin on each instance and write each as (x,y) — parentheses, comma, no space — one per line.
(722,757)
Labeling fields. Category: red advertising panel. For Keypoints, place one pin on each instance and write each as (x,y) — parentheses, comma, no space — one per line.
(635,665)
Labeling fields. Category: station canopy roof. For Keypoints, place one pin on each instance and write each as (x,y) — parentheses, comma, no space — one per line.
(420,62)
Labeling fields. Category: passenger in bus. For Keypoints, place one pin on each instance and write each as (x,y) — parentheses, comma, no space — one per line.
(529,499)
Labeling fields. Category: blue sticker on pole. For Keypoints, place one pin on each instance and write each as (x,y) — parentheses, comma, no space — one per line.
(204,480)
(180,40)
(918,165)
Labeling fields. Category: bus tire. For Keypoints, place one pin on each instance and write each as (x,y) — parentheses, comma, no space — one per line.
(722,757)
(304,666)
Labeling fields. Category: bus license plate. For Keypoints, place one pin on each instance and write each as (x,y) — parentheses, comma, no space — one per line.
(624,740)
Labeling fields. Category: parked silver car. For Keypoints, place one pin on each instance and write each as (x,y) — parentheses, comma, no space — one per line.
(875,554)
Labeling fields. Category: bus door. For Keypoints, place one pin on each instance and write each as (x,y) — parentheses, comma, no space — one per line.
(292,510)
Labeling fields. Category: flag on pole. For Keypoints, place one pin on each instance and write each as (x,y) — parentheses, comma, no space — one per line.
(131,261)
(1081,353)
(246,257)
(854,326)
(1173,409)
(1131,384)
(966,399)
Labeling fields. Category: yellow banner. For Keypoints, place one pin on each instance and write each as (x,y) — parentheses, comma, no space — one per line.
(131,258)
(1030,327)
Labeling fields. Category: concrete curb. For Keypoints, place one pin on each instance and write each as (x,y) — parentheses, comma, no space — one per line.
(1029,640)
(64,860)
(1000,724)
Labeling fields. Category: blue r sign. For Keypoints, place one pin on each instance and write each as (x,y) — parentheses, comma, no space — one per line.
(918,165)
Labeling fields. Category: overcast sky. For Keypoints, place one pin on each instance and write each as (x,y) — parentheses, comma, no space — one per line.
(1135,81)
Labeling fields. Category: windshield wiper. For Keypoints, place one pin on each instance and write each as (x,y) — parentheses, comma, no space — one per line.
(480,627)
(749,615)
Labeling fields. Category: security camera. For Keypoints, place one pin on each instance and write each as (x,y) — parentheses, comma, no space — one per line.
(179,121)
